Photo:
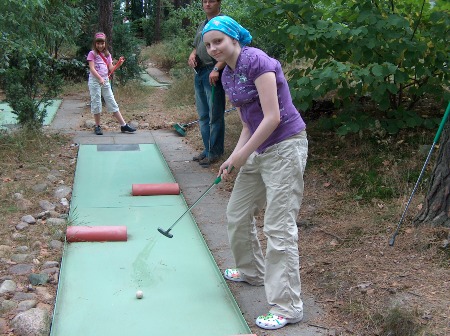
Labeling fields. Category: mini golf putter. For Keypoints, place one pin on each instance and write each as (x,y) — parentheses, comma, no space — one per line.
(167,232)
(181,128)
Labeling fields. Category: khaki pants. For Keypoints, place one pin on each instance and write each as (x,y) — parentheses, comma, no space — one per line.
(274,179)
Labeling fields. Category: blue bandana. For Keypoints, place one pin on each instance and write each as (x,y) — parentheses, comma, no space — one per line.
(230,27)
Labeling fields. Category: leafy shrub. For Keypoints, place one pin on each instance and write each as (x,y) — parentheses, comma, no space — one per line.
(148,25)
(30,82)
(394,53)
(72,69)
(126,45)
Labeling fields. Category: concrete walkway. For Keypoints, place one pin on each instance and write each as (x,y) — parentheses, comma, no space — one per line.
(209,213)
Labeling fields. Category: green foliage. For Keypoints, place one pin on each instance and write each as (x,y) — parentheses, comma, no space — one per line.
(148,25)
(49,24)
(395,53)
(126,45)
(71,69)
(399,321)
(370,184)
(30,82)
(352,120)
(190,16)
(32,31)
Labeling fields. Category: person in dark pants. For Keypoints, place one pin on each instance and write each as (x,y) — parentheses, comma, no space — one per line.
(210,108)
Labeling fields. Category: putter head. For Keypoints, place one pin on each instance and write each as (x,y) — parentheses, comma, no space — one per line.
(165,233)
(392,241)
(180,129)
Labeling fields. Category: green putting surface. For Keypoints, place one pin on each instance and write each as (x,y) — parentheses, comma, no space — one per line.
(149,81)
(7,117)
(184,291)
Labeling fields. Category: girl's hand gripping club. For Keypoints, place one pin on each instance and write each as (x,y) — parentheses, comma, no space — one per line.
(118,64)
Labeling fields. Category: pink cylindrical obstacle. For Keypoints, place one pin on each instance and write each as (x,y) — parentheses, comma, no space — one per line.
(76,234)
(155,189)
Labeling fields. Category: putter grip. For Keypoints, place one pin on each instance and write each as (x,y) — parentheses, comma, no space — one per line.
(443,121)
(219,178)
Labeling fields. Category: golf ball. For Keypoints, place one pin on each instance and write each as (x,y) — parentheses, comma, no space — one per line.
(139,294)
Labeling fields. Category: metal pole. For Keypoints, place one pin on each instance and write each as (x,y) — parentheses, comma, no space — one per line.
(436,138)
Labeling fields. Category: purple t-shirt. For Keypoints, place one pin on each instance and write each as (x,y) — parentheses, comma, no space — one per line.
(99,64)
(241,90)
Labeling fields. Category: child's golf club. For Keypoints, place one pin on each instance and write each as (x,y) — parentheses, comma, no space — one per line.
(167,232)
(181,128)
(436,138)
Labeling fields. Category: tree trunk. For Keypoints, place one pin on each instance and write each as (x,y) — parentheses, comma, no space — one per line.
(436,209)
(157,35)
(105,20)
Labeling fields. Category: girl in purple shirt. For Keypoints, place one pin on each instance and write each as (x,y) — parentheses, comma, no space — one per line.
(271,156)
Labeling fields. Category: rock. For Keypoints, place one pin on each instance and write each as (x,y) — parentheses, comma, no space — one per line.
(36,245)
(26,305)
(40,187)
(18,236)
(21,226)
(90,123)
(5,250)
(24,204)
(43,215)
(21,269)
(50,264)
(52,178)
(62,192)
(55,172)
(38,279)
(17,196)
(58,235)
(28,219)
(56,245)
(33,322)
(7,305)
(20,296)
(64,202)
(8,286)
(51,270)
(20,257)
(44,294)
(22,249)
(56,222)
(46,205)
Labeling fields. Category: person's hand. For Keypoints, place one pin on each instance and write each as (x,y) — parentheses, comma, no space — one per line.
(234,162)
(121,60)
(225,170)
(192,62)
(214,77)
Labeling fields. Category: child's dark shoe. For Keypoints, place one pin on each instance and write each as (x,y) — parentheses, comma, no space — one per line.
(127,129)
(98,130)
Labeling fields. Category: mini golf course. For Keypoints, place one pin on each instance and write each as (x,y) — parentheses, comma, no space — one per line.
(184,292)
(7,117)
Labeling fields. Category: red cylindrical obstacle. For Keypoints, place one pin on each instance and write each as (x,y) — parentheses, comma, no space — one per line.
(96,233)
(155,189)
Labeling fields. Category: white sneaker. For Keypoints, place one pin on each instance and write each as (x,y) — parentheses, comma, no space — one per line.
(271,321)
(233,274)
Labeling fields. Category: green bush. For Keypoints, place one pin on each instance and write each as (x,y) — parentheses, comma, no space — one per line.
(126,45)
(393,53)
(72,69)
(30,82)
